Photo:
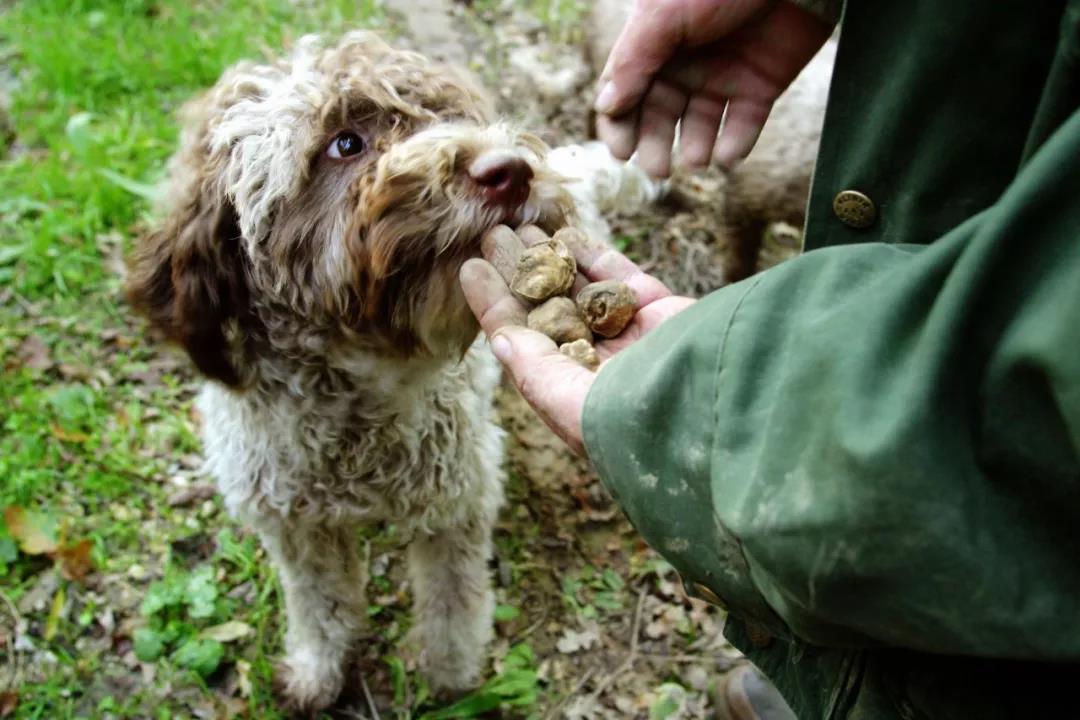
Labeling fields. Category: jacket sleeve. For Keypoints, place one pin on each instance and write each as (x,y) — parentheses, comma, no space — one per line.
(875,444)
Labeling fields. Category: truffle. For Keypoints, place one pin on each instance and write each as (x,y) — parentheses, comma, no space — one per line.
(543,271)
(558,318)
(607,306)
(581,352)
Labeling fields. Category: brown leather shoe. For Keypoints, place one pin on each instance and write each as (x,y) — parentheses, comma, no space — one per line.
(745,694)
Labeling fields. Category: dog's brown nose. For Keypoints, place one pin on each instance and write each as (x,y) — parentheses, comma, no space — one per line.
(503,178)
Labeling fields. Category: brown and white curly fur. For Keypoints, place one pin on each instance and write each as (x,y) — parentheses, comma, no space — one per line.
(316,216)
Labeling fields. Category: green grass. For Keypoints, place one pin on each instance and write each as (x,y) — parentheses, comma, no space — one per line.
(98,87)
(91,420)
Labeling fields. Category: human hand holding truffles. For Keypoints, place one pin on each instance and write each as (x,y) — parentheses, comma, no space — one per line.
(545,273)
(555,380)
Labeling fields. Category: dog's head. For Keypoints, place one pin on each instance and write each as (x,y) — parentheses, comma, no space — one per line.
(335,193)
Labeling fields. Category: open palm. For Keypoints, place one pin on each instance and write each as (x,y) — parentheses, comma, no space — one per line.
(553,384)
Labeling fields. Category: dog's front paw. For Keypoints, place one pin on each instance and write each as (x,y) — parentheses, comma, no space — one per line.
(304,687)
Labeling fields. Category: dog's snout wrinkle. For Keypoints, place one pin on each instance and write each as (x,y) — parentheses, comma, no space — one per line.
(502,177)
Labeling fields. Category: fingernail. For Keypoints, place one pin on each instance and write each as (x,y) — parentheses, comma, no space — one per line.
(605,101)
(502,348)
(467,273)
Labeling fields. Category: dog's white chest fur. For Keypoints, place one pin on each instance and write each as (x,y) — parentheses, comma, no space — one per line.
(410,442)
(413,444)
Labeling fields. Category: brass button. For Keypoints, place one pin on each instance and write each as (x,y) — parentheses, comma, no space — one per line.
(705,593)
(854,209)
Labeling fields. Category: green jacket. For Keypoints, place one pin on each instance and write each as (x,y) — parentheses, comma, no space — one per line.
(871,453)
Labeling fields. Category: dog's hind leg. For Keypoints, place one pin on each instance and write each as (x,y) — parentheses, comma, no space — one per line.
(453,603)
(323,580)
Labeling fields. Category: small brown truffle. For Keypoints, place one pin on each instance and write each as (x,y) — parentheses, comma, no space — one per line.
(558,319)
(544,270)
(582,353)
(607,306)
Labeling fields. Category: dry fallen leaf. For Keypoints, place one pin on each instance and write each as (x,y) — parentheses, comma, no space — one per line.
(34,354)
(74,559)
(71,371)
(9,701)
(35,536)
(68,435)
(243,671)
(669,619)
(191,494)
(30,531)
(572,640)
(227,631)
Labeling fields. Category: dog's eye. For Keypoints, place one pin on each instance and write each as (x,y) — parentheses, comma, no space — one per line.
(344,145)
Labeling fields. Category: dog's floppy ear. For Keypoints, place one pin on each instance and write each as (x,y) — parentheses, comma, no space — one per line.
(189,277)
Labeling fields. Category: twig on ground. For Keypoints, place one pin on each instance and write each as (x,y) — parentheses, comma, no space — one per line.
(370,700)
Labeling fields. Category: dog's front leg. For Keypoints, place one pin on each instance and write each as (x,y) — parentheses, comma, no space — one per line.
(323,580)
(453,603)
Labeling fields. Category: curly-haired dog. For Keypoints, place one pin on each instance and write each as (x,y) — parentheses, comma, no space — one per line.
(317,214)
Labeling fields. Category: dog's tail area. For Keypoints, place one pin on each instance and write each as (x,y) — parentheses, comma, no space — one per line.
(601,184)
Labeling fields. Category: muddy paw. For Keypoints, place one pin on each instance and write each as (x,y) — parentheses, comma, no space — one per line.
(303,690)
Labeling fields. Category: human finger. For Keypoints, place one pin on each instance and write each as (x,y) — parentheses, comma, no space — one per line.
(699,129)
(502,248)
(648,39)
(619,134)
(488,296)
(660,112)
(553,384)
(599,261)
(532,235)
(743,121)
